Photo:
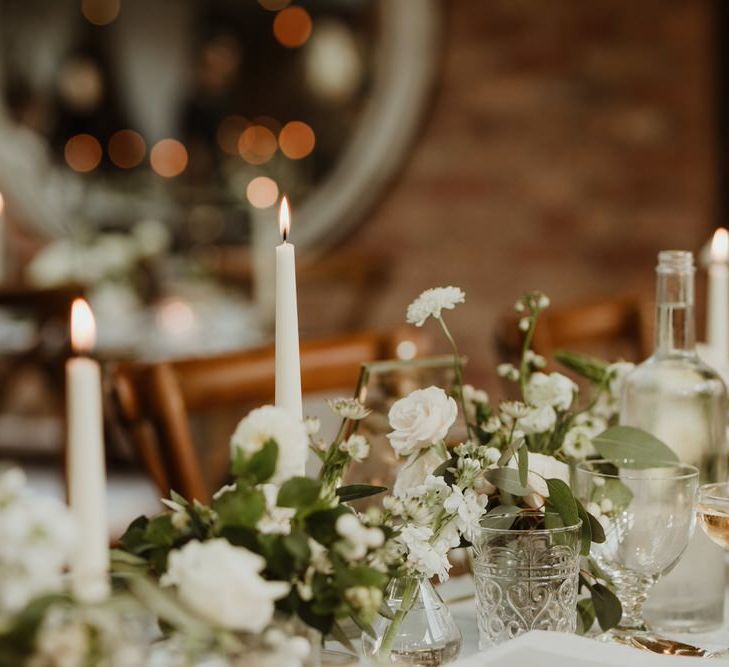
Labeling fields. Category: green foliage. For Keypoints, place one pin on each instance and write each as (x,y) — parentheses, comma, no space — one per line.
(243,507)
(631,447)
(260,466)
(507,479)
(562,501)
(299,492)
(591,368)
(352,492)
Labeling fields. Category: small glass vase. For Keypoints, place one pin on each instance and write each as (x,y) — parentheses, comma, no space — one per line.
(525,579)
(421,632)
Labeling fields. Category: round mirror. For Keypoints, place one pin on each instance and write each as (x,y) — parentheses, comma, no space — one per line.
(200,113)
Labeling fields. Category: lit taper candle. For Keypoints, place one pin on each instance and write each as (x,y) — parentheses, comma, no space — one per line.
(288,363)
(85,463)
(717,310)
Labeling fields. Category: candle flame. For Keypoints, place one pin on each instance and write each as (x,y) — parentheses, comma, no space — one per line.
(83,327)
(284,218)
(720,245)
(2,203)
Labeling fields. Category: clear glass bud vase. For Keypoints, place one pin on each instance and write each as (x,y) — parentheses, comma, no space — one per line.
(421,631)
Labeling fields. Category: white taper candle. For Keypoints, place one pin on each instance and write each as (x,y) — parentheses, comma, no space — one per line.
(717,309)
(85,462)
(288,362)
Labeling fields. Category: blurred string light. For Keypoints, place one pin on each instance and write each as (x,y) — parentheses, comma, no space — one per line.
(274,5)
(292,27)
(228,133)
(126,149)
(81,84)
(262,192)
(168,158)
(257,144)
(297,140)
(82,153)
(100,12)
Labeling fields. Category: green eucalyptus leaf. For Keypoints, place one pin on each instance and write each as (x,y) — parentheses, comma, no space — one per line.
(442,469)
(596,529)
(607,606)
(588,367)
(262,464)
(160,532)
(562,501)
(299,492)
(356,491)
(507,479)
(587,535)
(176,497)
(133,539)
(585,615)
(631,447)
(523,459)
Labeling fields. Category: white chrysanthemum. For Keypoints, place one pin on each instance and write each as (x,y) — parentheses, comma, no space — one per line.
(272,423)
(349,408)
(538,420)
(431,302)
(357,447)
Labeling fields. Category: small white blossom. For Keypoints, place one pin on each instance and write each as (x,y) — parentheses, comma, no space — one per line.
(492,425)
(490,455)
(543,301)
(276,520)
(606,505)
(356,446)
(473,395)
(431,302)
(469,507)
(358,538)
(514,409)
(519,306)
(349,408)
(577,443)
(525,323)
(536,360)
(425,558)
(312,425)
(222,491)
(364,599)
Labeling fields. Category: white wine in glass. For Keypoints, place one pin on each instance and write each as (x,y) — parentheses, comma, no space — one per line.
(712,512)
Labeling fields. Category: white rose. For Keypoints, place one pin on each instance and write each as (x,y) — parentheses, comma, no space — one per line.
(222,583)
(541,468)
(271,423)
(415,470)
(538,420)
(554,389)
(421,419)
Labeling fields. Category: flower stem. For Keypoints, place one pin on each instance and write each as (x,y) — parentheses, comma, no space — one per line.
(458,370)
(408,597)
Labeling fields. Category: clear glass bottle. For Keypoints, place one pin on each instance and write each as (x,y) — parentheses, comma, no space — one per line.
(421,631)
(682,401)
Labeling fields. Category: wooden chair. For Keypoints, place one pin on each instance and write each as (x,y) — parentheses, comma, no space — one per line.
(155,401)
(617,327)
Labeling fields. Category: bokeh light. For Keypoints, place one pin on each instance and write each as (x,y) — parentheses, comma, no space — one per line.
(168,158)
(228,133)
(274,5)
(100,12)
(82,153)
(126,149)
(262,192)
(257,144)
(81,84)
(292,27)
(2,203)
(406,349)
(297,140)
(176,317)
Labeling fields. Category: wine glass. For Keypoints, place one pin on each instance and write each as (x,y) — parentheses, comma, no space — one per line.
(648,517)
(713,512)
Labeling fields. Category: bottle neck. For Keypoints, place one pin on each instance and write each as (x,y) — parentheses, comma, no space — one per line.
(675,335)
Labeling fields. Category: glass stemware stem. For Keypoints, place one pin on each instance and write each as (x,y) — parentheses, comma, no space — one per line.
(632,591)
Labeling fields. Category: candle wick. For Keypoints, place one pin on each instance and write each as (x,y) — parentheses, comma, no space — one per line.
(285,235)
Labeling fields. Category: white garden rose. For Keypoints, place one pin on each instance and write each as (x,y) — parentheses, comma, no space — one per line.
(541,468)
(431,302)
(415,470)
(271,423)
(421,419)
(554,389)
(222,583)
(538,420)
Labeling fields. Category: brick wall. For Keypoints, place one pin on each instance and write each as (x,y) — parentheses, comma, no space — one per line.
(569,141)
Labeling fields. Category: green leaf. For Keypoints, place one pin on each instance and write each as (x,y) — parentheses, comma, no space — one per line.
(356,491)
(523,458)
(596,529)
(586,529)
(614,490)
(630,447)
(299,492)
(506,479)
(259,466)
(297,544)
(160,531)
(240,507)
(176,497)
(607,606)
(562,500)
(341,636)
(133,539)
(588,367)
(585,615)
(442,469)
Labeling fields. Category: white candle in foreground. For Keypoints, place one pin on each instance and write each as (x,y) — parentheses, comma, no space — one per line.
(85,462)
(717,310)
(288,363)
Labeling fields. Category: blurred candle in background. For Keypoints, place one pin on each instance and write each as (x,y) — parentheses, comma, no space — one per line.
(3,236)
(288,363)
(717,311)
(85,461)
